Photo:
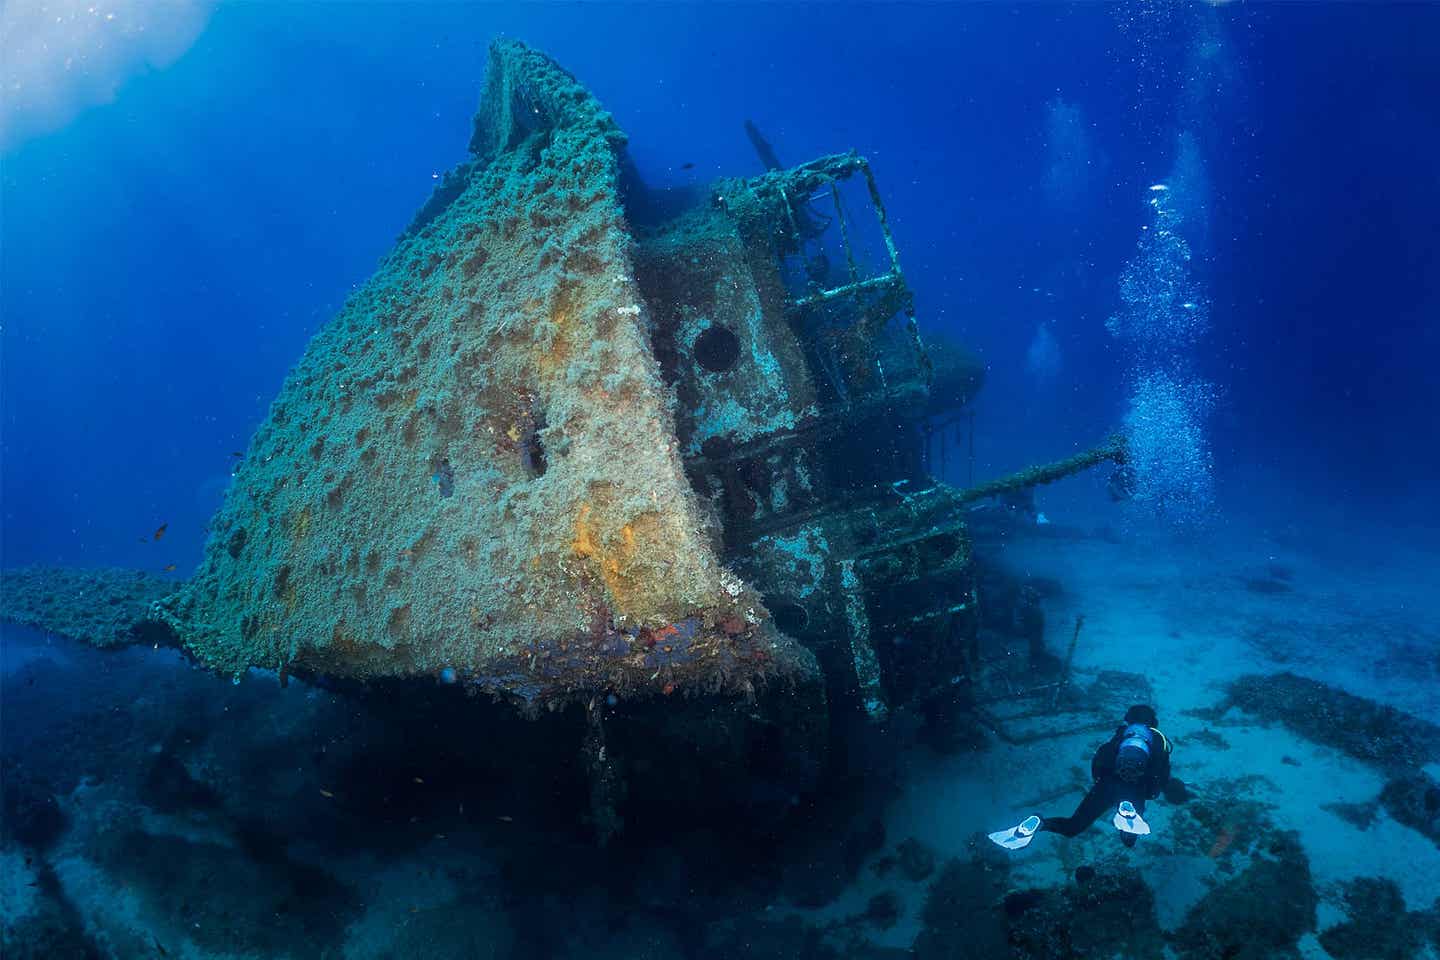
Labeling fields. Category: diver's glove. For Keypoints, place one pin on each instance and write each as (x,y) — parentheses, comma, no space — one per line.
(1019,835)
(1128,820)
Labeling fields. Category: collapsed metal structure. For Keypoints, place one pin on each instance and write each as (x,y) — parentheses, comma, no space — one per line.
(564,445)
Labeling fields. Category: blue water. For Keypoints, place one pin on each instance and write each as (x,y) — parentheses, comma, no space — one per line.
(174,232)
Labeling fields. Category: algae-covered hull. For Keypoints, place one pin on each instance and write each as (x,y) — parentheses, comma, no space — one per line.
(577,438)
(474,467)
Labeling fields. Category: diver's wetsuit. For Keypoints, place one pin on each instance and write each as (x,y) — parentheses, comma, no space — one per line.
(1109,790)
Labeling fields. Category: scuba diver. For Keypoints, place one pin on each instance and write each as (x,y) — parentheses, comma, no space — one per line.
(1130,768)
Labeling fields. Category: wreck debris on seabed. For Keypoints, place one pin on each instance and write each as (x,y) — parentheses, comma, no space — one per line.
(637,454)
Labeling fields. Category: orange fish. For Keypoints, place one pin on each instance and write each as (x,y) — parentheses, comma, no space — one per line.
(169,567)
(160,532)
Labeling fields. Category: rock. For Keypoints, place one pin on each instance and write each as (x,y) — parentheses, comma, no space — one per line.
(962,917)
(1379,927)
(1375,733)
(1414,800)
(1260,914)
(916,860)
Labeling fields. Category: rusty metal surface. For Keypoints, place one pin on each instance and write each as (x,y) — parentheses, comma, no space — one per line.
(474,467)
(561,445)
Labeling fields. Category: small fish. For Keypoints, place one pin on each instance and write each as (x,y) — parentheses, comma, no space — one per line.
(504,819)
(418,780)
(236,453)
(327,794)
(169,568)
(687,166)
(160,531)
(162,951)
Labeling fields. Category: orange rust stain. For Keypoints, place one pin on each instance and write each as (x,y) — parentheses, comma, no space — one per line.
(621,560)
(1222,842)
(583,545)
(559,353)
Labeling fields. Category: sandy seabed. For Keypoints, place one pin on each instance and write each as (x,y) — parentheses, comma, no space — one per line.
(186,878)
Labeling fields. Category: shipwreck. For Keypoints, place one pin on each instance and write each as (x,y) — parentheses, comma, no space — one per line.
(579,444)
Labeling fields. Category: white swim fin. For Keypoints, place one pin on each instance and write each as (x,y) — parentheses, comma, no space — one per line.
(1017,836)
(1128,820)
